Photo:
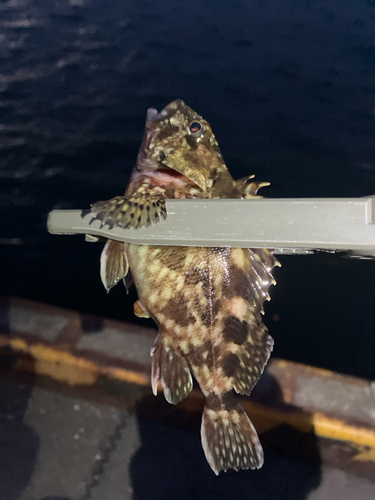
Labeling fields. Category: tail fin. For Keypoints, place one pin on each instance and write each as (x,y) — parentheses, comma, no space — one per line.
(229,439)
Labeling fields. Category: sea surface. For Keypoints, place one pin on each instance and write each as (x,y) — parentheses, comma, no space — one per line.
(288,88)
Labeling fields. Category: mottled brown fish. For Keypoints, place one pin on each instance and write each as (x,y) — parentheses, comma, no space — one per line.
(207,302)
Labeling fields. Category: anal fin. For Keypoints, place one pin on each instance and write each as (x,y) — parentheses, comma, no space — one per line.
(172,370)
(136,211)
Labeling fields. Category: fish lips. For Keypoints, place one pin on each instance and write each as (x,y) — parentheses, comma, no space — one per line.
(190,169)
(174,161)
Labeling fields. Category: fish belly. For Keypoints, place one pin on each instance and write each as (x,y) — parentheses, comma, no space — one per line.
(207,303)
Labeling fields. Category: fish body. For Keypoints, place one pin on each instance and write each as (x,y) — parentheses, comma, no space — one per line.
(207,302)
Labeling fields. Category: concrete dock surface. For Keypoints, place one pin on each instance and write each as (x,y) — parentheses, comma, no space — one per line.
(56,446)
(78,421)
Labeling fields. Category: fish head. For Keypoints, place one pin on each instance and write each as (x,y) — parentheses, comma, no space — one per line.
(178,138)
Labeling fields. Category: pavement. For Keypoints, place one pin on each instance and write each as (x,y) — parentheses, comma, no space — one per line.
(57,446)
(92,430)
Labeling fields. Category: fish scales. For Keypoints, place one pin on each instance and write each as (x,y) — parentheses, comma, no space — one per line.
(207,302)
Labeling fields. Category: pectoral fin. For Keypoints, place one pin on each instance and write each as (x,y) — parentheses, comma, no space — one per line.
(140,311)
(172,370)
(137,211)
(113,264)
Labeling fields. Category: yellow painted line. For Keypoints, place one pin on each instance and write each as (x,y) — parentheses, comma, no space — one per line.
(337,429)
(128,376)
(60,365)
(365,455)
(265,419)
(322,426)
(73,370)
(66,367)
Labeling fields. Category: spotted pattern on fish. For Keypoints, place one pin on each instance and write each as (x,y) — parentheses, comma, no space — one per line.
(204,313)
(207,302)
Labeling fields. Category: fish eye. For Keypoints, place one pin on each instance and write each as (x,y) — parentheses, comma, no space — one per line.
(196,129)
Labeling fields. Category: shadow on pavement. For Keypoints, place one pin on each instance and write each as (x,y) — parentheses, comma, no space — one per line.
(19,443)
(170,462)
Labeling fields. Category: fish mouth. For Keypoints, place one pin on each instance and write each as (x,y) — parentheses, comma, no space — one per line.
(158,157)
(165,176)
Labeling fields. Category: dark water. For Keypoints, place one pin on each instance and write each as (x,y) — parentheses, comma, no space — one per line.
(288,88)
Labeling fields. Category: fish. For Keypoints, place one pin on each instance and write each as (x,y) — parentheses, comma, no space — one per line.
(207,302)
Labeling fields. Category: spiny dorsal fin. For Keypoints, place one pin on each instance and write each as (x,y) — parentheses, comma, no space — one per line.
(249,188)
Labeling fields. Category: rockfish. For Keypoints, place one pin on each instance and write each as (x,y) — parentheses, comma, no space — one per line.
(207,302)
